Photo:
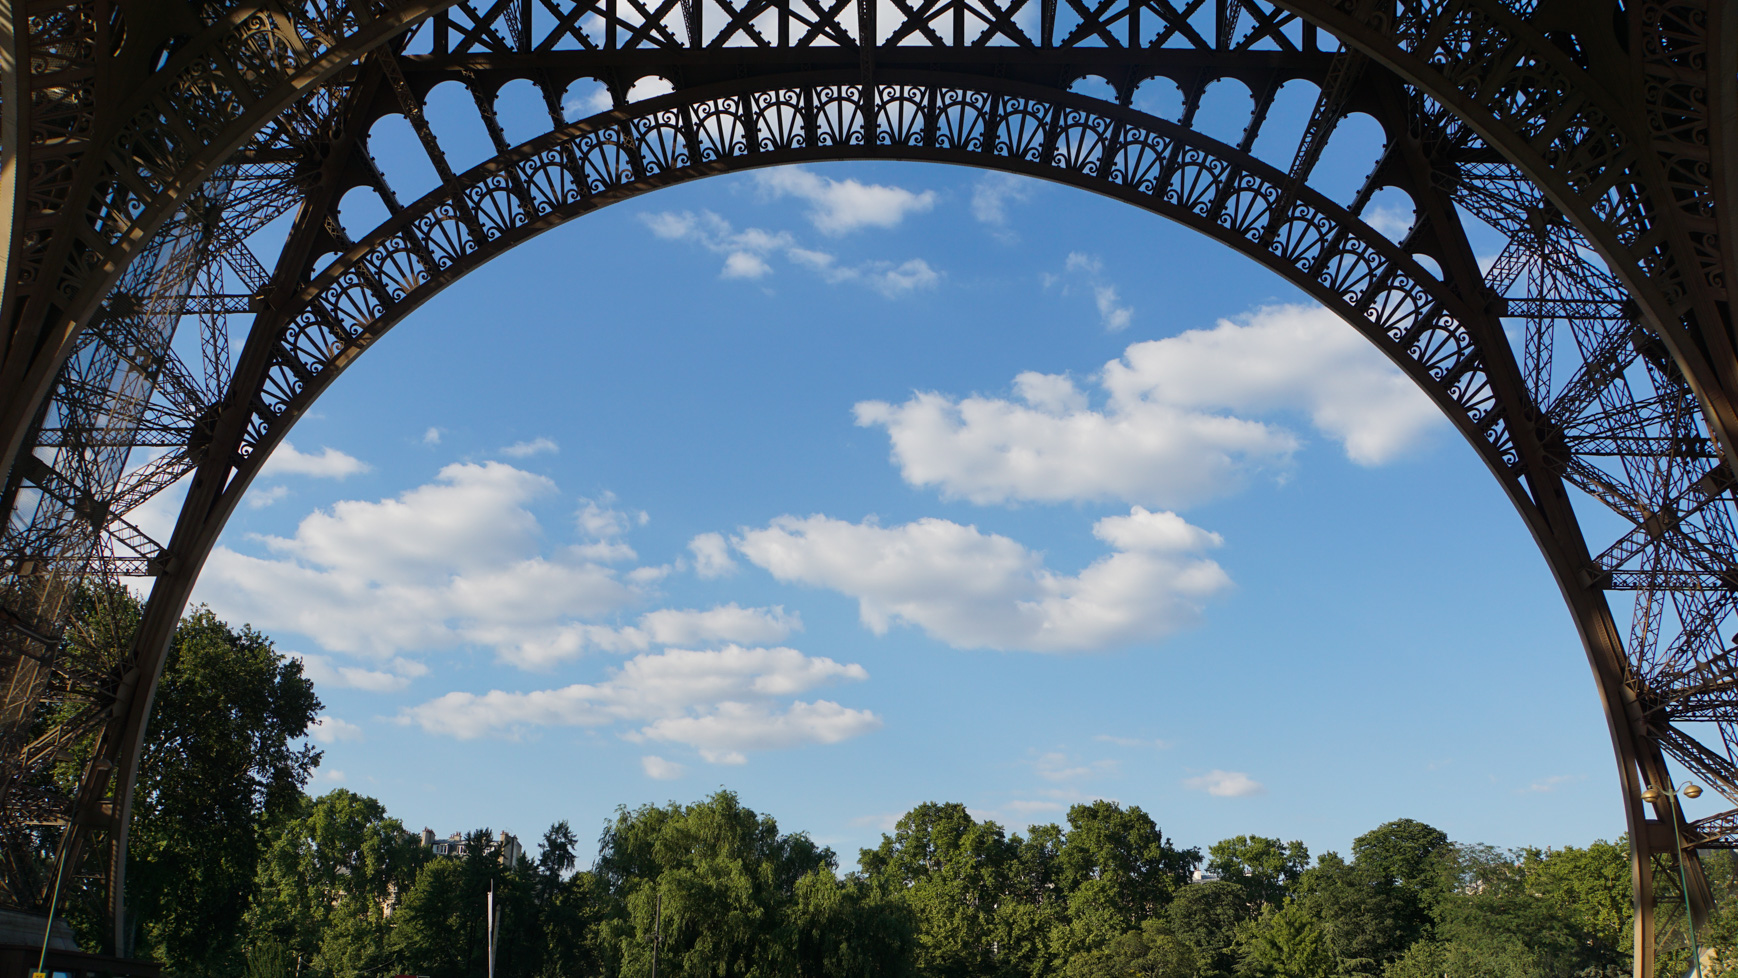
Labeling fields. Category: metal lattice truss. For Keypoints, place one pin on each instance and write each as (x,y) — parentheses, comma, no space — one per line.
(1591,363)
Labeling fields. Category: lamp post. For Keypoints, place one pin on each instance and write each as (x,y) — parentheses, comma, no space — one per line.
(1652,794)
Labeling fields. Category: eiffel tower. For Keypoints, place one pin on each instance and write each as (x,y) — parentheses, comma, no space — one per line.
(143,142)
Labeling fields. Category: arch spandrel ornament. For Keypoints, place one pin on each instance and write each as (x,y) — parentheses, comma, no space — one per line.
(1526,117)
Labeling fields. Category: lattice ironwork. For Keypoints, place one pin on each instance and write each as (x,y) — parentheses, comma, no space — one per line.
(1591,364)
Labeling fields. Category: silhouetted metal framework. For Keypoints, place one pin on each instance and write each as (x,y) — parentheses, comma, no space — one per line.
(142,143)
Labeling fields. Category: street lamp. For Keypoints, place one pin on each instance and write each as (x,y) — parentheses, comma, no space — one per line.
(1652,795)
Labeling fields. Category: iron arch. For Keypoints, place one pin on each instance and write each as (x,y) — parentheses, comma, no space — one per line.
(1432,327)
(131,196)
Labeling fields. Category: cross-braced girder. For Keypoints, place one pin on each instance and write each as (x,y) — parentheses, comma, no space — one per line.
(1590,138)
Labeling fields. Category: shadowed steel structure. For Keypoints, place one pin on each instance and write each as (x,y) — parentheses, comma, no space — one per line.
(142,143)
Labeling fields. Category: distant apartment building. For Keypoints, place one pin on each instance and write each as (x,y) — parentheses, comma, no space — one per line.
(507,848)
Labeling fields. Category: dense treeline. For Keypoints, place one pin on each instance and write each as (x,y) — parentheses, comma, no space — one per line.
(714,889)
(234,872)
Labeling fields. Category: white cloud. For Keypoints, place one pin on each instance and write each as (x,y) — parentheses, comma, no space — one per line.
(650,86)
(1059,767)
(591,98)
(711,555)
(328,729)
(1053,448)
(599,518)
(1288,357)
(526,449)
(977,590)
(720,702)
(1225,784)
(1170,432)
(329,464)
(725,623)
(658,768)
(453,562)
(722,735)
(992,193)
(1391,222)
(1115,316)
(432,436)
(261,498)
(840,206)
(747,254)
(1112,314)
(323,671)
(892,281)
(743,264)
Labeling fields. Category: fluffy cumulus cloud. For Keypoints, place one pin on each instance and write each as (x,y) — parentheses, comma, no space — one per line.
(721,703)
(993,192)
(390,677)
(748,253)
(839,206)
(725,623)
(972,589)
(1291,357)
(1225,784)
(1172,429)
(884,277)
(330,463)
(659,769)
(1114,316)
(526,449)
(711,555)
(456,561)
(328,729)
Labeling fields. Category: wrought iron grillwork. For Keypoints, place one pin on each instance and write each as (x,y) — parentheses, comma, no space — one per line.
(1591,364)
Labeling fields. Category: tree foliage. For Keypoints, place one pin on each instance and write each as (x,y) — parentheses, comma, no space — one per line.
(223,756)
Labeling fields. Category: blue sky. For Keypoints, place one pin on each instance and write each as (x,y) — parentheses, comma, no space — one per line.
(850,487)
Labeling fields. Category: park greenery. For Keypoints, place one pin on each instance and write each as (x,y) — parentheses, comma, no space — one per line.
(234,871)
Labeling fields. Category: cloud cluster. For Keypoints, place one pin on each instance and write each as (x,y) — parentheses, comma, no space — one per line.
(329,464)
(1111,312)
(459,561)
(993,192)
(1170,432)
(721,703)
(841,206)
(526,449)
(1226,784)
(748,254)
(884,277)
(972,589)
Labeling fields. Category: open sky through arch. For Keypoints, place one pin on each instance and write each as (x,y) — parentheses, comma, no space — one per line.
(854,486)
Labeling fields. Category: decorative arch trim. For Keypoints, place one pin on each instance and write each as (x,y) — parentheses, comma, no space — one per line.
(1155,164)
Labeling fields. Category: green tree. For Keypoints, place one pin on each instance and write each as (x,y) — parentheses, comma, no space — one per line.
(955,873)
(1151,951)
(219,761)
(1408,855)
(1532,912)
(1205,916)
(710,887)
(432,923)
(1368,921)
(1265,868)
(326,881)
(1117,871)
(850,929)
(1285,942)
